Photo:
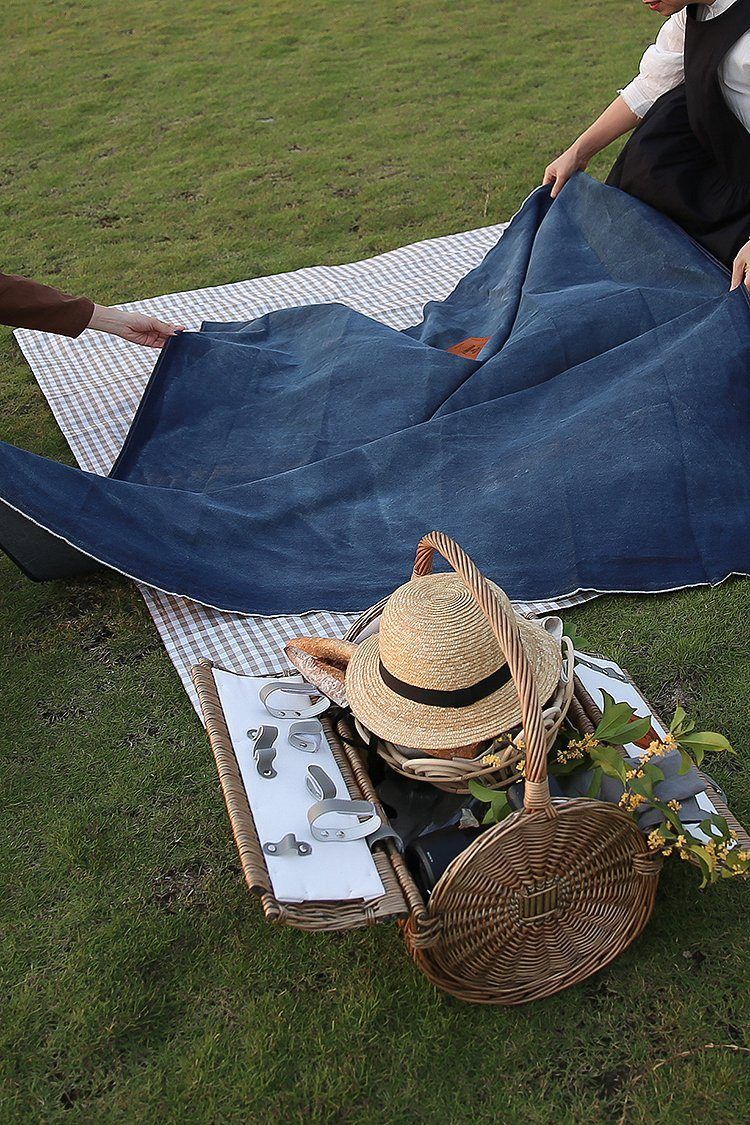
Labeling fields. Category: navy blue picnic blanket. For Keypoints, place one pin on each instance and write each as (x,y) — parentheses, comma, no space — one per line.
(576,414)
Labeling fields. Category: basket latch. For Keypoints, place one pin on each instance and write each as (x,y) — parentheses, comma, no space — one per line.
(535,902)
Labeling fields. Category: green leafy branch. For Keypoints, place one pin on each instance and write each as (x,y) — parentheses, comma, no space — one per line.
(717,855)
(695,744)
(497,799)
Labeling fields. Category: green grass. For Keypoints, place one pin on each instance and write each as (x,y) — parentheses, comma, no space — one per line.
(151,147)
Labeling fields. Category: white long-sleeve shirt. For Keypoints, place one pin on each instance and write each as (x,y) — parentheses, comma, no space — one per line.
(662,66)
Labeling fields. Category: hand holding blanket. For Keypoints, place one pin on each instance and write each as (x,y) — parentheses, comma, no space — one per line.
(576,413)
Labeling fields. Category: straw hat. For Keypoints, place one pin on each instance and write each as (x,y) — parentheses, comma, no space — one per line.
(434,675)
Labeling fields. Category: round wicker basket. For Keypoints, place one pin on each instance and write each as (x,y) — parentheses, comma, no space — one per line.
(550,895)
(454,774)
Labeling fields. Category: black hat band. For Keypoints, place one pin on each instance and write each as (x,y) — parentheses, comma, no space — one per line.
(458,697)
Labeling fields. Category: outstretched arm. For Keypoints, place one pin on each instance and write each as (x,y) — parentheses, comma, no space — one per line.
(662,68)
(617,119)
(136,327)
(28,304)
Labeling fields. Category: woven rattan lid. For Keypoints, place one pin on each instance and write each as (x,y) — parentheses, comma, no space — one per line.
(435,676)
(539,903)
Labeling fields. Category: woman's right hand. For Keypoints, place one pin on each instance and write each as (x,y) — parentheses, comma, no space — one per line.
(136,327)
(618,118)
(560,170)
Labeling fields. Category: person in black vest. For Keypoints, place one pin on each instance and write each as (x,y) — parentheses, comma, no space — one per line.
(689,107)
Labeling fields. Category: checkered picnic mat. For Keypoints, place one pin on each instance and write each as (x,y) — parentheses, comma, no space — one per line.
(94,384)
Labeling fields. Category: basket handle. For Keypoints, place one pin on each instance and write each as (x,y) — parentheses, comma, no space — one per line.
(501,617)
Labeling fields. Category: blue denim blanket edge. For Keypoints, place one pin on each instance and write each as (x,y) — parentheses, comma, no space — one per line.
(576,414)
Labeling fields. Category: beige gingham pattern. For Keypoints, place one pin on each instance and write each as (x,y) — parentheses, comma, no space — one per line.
(94,384)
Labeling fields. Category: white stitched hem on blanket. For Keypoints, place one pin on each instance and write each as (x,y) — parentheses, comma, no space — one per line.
(93,386)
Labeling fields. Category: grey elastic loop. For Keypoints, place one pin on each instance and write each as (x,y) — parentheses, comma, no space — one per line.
(385,832)
(319,784)
(264,761)
(297,689)
(306,735)
(264,750)
(287,845)
(363,815)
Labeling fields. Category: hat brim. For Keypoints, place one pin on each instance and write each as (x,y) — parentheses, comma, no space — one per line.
(423,726)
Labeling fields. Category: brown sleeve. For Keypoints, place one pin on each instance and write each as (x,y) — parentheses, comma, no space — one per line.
(27,304)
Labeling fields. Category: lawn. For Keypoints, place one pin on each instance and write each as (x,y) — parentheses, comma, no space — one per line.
(151,147)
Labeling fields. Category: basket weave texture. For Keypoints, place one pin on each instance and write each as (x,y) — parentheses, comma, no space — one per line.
(551,894)
(435,639)
(401,896)
(534,905)
(454,774)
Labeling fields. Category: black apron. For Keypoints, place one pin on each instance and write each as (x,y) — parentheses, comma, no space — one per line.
(690,156)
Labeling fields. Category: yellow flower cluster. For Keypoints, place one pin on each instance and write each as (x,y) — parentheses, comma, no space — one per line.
(656,749)
(718,851)
(715,851)
(631,802)
(493,760)
(521,767)
(496,754)
(659,747)
(577,749)
(570,753)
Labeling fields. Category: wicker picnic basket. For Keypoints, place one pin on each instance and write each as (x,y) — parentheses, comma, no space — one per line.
(453,775)
(535,904)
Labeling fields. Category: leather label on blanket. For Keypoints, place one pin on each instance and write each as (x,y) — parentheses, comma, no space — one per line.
(470,347)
